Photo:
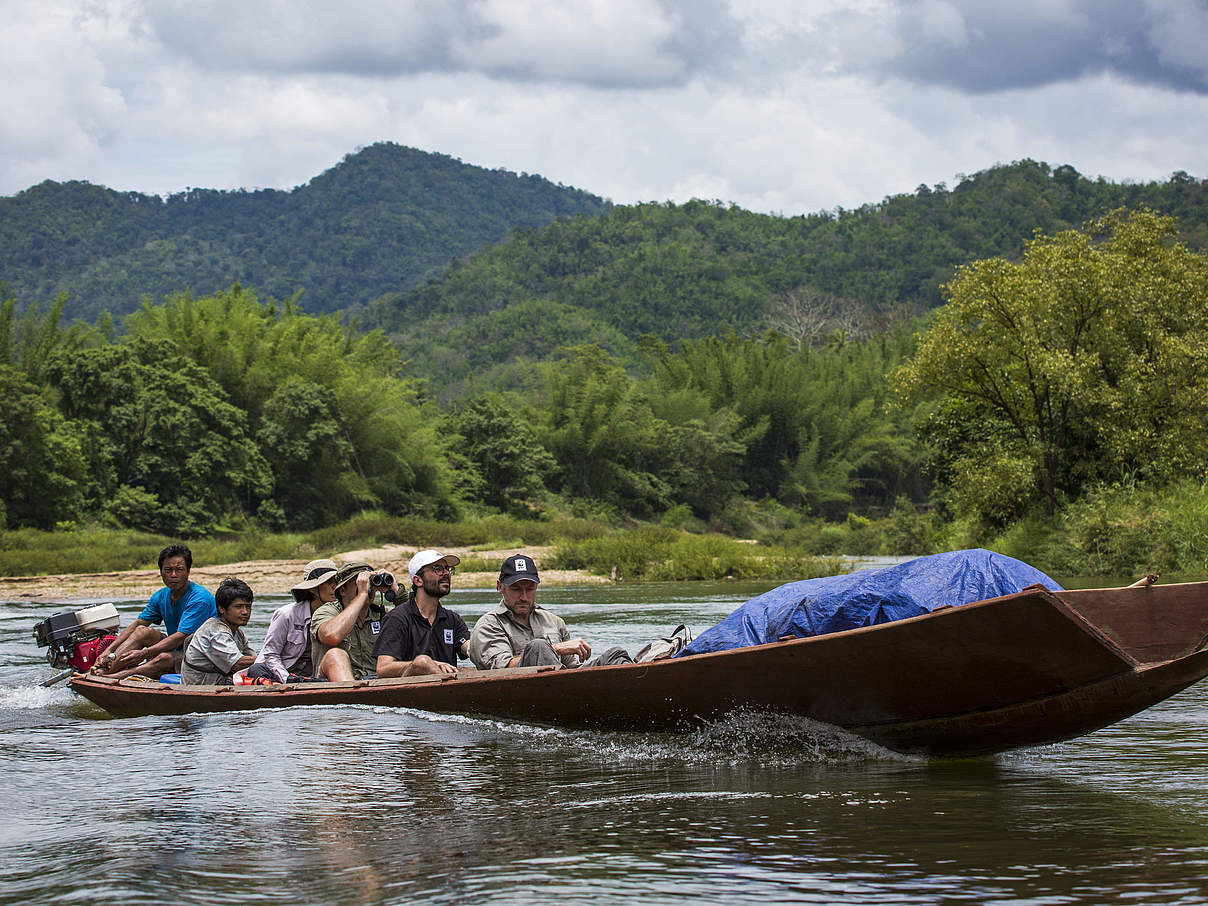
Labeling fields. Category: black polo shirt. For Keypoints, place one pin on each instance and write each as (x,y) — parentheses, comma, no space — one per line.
(406,634)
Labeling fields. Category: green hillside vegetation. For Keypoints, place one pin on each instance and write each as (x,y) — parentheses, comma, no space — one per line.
(382,220)
(692,367)
(704,269)
(227,412)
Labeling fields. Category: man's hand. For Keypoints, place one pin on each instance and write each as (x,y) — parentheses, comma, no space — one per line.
(363,581)
(573,646)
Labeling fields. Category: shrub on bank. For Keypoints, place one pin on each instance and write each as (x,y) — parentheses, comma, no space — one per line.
(658,553)
(1118,530)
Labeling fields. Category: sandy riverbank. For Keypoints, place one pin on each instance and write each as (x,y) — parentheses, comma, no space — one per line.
(266,577)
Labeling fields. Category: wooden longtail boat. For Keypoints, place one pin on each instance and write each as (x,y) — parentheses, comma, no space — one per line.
(1020,670)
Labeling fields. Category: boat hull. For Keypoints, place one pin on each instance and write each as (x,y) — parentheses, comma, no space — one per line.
(1026,669)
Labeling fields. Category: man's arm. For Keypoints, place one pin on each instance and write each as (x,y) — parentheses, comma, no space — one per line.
(572,647)
(224,650)
(461,635)
(332,632)
(489,647)
(388,667)
(393,651)
(119,648)
(168,643)
(567,648)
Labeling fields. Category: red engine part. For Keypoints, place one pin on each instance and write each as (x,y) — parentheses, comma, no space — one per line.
(85,653)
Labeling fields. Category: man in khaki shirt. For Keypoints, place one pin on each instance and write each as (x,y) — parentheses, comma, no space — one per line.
(519,633)
(343,632)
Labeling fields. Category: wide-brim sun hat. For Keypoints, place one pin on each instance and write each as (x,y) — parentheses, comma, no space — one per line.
(427,558)
(314,574)
(349,571)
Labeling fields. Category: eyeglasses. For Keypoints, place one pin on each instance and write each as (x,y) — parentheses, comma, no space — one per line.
(440,569)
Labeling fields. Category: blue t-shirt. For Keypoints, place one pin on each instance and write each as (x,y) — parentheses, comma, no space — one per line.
(185,614)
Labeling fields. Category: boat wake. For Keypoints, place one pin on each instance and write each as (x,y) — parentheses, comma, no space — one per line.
(742,737)
(35,697)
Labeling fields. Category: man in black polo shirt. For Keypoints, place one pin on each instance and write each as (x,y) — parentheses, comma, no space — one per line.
(419,636)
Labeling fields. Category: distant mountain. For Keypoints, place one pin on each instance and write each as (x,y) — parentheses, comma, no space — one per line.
(702,269)
(382,220)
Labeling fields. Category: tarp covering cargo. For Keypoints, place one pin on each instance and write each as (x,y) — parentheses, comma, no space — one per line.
(865,598)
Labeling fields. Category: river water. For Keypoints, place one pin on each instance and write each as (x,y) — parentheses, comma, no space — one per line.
(348,805)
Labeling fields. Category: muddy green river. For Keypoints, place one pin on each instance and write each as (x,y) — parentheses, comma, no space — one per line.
(359,805)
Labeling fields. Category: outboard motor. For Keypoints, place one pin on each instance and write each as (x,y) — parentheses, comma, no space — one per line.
(77,638)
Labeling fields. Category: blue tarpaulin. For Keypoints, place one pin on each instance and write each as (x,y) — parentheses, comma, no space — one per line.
(868,597)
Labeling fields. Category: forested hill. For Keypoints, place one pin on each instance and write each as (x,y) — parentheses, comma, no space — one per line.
(702,269)
(381,220)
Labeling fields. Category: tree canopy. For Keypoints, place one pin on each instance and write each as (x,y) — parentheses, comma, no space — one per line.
(381,220)
(1085,360)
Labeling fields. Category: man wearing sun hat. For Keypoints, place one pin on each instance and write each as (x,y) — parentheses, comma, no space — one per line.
(519,633)
(285,655)
(344,632)
(420,636)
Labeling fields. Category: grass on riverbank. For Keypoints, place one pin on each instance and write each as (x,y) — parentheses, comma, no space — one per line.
(655,553)
(1118,530)
(650,553)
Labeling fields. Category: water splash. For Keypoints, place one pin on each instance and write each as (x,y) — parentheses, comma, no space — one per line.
(742,737)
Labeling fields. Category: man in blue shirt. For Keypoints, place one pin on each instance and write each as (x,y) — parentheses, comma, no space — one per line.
(180,605)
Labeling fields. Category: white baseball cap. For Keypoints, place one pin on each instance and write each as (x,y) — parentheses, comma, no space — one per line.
(427,558)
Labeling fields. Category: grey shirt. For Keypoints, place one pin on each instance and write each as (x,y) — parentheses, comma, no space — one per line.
(212,654)
(497,637)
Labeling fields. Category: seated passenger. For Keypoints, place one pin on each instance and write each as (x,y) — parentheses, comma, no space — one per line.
(519,633)
(343,633)
(181,605)
(285,655)
(219,648)
(420,636)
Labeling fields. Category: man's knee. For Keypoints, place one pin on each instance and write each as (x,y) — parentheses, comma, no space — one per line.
(539,653)
(145,636)
(336,665)
(159,665)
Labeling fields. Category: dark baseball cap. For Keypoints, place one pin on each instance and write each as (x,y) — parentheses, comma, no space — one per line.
(517,567)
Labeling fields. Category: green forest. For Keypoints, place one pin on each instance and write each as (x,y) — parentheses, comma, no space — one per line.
(1018,362)
(382,220)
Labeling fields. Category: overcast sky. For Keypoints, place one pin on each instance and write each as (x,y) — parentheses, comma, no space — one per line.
(788,106)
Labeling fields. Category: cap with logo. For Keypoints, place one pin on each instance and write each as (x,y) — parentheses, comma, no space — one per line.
(517,567)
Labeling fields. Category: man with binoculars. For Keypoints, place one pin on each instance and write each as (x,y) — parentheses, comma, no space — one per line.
(343,632)
(420,636)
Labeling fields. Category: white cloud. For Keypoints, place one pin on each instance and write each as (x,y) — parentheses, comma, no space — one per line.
(782,106)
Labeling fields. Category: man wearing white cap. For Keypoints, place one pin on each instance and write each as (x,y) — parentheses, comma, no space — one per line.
(420,636)
(286,649)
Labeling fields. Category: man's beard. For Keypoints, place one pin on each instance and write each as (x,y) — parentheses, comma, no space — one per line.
(434,589)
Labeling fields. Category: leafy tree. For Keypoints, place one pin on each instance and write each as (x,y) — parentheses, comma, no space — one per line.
(1085,359)
(599,428)
(42,463)
(301,437)
(379,443)
(810,422)
(495,437)
(158,424)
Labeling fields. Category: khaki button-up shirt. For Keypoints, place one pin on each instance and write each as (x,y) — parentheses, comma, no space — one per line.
(497,638)
(358,643)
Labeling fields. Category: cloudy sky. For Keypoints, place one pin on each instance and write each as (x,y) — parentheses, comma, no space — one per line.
(786,106)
